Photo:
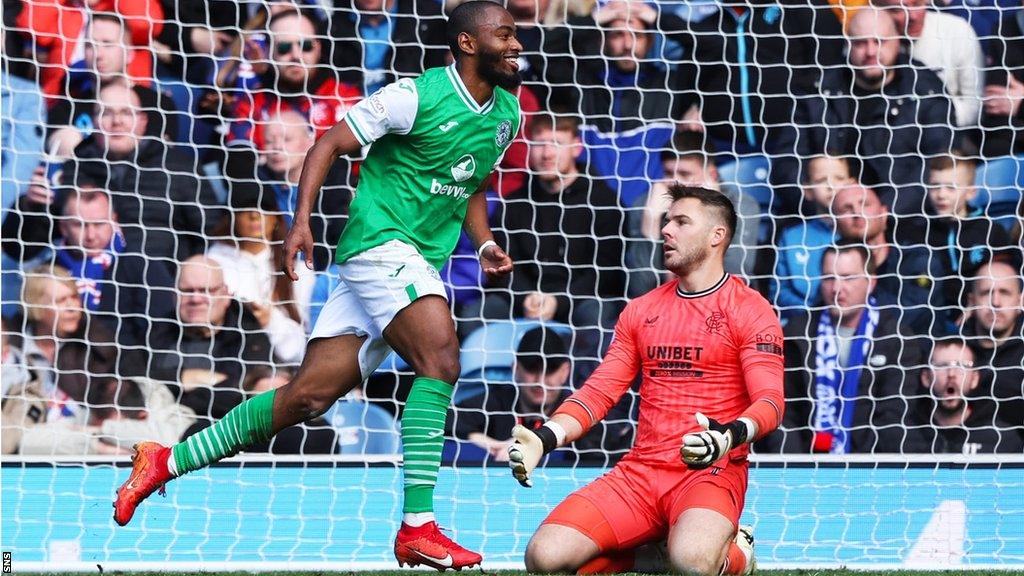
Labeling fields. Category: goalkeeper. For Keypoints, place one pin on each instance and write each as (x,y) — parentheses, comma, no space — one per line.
(709,349)
(435,140)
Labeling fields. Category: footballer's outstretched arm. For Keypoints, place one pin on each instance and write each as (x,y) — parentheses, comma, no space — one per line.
(585,407)
(493,258)
(338,141)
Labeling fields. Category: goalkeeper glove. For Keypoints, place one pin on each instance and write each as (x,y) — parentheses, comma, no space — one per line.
(702,449)
(529,447)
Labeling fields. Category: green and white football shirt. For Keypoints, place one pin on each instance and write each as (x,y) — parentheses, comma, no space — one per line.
(431,146)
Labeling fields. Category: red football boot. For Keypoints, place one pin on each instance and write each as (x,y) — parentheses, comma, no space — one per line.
(427,545)
(149,474)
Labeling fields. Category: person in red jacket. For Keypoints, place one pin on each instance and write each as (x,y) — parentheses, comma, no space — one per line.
(709,351)
(58,27)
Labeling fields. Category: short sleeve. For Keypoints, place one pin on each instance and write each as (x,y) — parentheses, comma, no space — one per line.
(390,110)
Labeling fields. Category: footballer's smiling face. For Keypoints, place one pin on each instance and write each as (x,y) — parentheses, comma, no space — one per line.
(498,49)
(689,235)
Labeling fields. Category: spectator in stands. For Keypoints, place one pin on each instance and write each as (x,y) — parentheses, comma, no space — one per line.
(115,281)
(541,377)
(312,437)
(946,44)
(119,414)
(846,366)
(164,208)
(883,108)
(56,28)
(20,381)
(250,251)
(983,15)
(378,41)
(993,330)
(597,65)
(959,237)
(205,355)
(901,265)
(288,136)
(108,50)
(743,65)
(948,420)
(21,134)
(21,149)
(564,232)
(67,348)
(16,373)
(800,246)
(1002,114)
(295,79)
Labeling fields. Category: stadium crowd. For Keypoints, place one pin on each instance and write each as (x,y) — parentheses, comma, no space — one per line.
(874,149)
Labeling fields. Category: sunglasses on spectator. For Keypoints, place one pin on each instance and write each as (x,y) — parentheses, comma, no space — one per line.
(285,48)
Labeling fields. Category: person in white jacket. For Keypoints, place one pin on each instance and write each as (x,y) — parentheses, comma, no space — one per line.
(249,247)
(948,45)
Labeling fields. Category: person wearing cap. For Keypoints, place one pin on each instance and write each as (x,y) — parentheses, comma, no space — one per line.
(249,247)
(540,381)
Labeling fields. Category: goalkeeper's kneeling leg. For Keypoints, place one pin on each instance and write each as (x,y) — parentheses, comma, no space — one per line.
(699,541)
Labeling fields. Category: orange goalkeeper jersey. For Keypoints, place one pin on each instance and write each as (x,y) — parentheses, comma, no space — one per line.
(718,352)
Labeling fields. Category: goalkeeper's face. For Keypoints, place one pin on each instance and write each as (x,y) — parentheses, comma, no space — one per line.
(690,234)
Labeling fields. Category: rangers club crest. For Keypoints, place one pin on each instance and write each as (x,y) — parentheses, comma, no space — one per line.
(715,323)
(504,133)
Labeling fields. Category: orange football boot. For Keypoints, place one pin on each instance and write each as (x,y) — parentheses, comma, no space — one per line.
(149,474)
(427,545)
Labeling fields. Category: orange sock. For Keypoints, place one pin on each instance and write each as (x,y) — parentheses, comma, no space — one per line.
(609,563)
(735,561)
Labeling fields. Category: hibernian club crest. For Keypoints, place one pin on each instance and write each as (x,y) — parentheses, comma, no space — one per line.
(504,133)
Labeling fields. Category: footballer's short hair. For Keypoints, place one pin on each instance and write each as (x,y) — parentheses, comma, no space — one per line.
(719,203)
(466,17)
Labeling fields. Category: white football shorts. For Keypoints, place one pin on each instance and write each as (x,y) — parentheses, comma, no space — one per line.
(375,286)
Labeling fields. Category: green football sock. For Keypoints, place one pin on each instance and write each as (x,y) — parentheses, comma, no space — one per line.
(246,424)
(422,441)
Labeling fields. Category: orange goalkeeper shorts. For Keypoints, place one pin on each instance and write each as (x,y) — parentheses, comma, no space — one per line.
(636,503)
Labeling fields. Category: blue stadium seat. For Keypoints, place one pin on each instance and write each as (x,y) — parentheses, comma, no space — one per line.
(999,183)
(750,175)
(489,352)
(364,428)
